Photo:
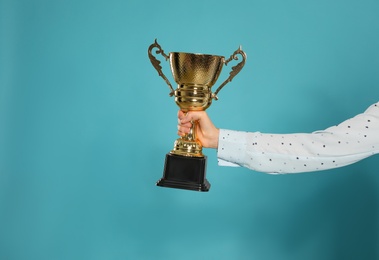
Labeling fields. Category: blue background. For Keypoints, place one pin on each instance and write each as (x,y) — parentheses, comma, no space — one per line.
(85,123)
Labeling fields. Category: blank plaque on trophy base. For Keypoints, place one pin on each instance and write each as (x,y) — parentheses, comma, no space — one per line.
(184,172)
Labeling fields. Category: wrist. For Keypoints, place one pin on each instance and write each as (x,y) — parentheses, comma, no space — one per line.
(215,139)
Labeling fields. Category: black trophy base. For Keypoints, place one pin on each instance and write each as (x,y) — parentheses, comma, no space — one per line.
(183,172)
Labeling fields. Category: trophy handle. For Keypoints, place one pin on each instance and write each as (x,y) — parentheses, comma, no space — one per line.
(156,63)
(235,70)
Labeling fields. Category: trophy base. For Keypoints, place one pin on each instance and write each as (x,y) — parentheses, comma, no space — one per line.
(184,172)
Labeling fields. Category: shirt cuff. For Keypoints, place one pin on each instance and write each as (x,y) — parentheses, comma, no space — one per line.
(231,148)
(222,162)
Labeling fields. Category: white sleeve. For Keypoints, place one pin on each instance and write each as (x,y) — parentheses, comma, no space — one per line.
(351,141)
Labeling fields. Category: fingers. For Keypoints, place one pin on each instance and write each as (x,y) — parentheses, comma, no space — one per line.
(206,132)
(185,122)
(184,129)
(189,116)
(181,114)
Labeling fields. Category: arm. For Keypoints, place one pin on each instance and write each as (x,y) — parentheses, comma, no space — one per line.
(337,146)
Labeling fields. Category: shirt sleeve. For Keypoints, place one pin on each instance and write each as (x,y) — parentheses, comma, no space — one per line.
(351,141)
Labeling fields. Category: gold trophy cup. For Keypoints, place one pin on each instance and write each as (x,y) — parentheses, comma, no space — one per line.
(195,74)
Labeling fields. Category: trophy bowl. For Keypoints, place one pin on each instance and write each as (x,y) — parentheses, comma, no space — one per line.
(195,74)
(195,69)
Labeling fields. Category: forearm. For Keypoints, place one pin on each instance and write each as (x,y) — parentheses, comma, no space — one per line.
(290,153)
(349,142)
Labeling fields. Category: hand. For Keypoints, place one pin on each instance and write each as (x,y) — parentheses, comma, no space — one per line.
(205,131)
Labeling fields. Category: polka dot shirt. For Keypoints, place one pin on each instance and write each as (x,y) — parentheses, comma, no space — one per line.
(351,141)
